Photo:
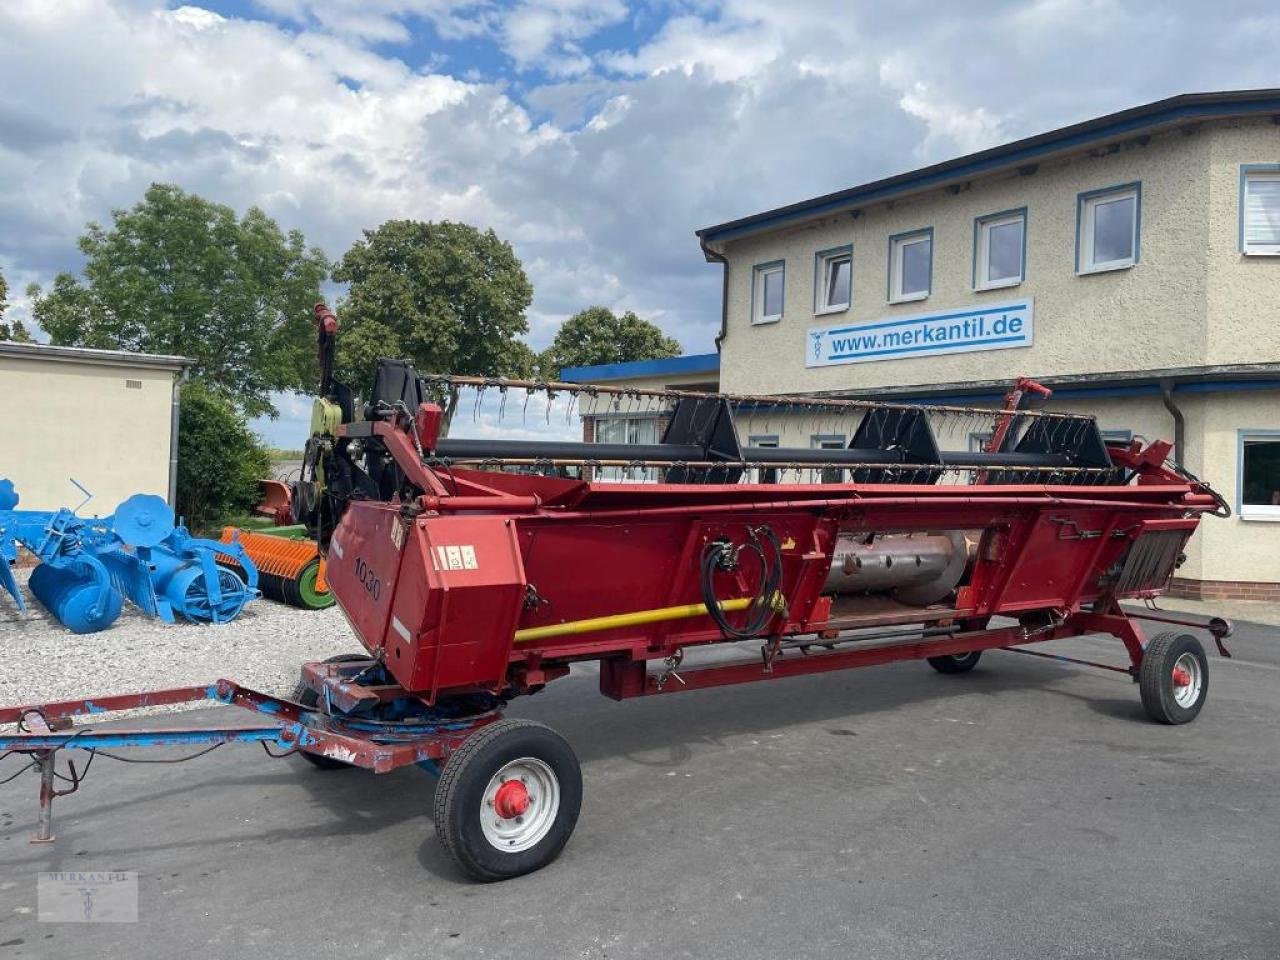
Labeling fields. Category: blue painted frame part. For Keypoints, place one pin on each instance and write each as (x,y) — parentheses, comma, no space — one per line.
(978,223)
(1241,437)
(1085,197)
(819,278)
(688,364)
(987,161)
(756,270)
(893,238)
(1245,170)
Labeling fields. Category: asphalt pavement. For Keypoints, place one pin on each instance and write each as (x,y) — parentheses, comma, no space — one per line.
(1025,810)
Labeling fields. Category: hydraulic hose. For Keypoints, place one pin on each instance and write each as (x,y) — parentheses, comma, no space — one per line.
(763,543)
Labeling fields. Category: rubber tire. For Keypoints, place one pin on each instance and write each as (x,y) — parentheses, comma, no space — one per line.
(1155,677)
(956,664)
(461,790)
(309,698)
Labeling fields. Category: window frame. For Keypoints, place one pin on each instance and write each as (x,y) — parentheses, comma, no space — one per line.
(822,261)
(758,273)
(818,441)
(1247,170)
(897,242)
(1089,201)
(767,441)
(982,249)
(1253,512)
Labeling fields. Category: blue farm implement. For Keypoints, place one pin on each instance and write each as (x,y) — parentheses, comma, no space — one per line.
(89,566)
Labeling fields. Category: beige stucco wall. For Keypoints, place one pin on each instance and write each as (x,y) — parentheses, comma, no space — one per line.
(1243,292)
(78,419)
(1152,315)
(1235,549)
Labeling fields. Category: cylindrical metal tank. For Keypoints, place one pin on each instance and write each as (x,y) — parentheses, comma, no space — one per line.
(917,569)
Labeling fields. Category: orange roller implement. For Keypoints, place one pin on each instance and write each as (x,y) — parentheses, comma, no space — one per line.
(289,571)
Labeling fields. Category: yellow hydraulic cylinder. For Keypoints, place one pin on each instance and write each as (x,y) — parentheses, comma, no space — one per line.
(595,624)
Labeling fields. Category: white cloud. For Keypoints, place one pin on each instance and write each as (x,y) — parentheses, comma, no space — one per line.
(598,180)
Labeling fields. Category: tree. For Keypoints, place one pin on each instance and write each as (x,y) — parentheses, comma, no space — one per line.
(445,295)
(10,330)
(178,274)
(219,459)
(598,335)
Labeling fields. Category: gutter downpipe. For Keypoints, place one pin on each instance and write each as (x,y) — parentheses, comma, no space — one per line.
(713,257)
(173,436)
(1179,423)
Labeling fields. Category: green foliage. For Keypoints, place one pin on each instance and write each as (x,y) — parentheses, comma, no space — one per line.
(219,460)
(447,296)
(10,330)
(598,335)
(177,274)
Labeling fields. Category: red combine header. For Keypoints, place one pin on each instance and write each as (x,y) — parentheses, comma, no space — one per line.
(474,571)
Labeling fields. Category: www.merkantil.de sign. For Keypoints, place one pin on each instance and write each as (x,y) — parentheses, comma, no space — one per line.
(999,326)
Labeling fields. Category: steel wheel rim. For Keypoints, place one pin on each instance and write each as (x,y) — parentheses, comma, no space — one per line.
(1187,694)
(519,833)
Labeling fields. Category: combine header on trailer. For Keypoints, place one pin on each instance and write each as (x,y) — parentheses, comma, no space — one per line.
(477,570)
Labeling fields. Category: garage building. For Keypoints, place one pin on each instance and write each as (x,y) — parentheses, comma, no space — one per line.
(104,418)
(1131,262)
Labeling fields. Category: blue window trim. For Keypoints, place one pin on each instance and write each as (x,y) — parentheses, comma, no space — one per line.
(819,281)
(756,270)
(1245,170)
(1122,435)
(893,238)
(1082,198)
(816,438)
(978,223)
(1241,436)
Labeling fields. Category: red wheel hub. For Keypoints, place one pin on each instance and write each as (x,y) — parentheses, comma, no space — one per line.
(1181,678)
(511,800)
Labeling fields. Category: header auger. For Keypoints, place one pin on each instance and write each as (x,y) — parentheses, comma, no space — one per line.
(473,571)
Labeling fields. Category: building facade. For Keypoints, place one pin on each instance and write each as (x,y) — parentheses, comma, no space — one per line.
(1131,262)
(104,418)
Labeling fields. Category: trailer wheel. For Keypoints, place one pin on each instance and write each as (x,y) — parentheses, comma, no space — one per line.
(1173,678)
(310,699)
(508,799)
(957,662)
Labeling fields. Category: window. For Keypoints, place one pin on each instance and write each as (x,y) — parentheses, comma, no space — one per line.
(767,292)
(1259,490)
(910,266)
(770,441)
(999,250)
(1107,228)
(833,441)
(627,430)
(833,280)
(1260,210)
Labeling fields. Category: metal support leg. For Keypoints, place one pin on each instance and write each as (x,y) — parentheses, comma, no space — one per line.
(45,761)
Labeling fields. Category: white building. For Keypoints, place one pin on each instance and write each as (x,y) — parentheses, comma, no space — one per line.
(104,418)
(1131,262)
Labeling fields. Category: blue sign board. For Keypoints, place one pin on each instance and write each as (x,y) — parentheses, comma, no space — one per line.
(995,327)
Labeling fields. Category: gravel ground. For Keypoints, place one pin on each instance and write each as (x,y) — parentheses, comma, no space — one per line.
(261,649)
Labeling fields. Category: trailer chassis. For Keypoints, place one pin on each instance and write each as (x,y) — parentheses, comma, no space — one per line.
(357,716)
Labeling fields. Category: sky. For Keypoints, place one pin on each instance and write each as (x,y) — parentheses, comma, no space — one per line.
(594,135)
